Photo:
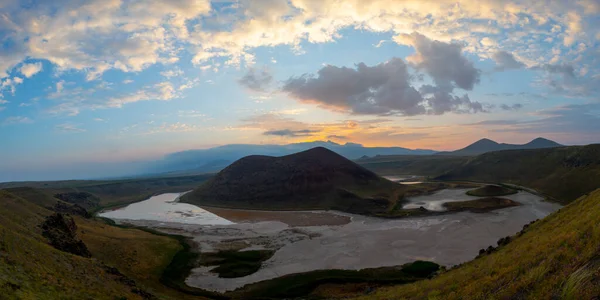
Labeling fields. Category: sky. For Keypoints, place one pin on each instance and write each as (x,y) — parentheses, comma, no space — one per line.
(117,81)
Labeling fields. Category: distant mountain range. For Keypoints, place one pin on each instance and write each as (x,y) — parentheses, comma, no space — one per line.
(487,145)
(217,158)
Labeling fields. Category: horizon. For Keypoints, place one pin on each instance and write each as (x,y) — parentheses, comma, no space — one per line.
(87,87)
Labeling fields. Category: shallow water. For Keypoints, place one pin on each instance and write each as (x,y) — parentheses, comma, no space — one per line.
(365,242)
(435,202)
(165,208)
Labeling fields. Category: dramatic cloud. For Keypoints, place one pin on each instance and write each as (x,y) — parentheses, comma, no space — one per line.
(29,70)
(381,89)
(444,62)
(257,80)
(505,60)
(291,133)
(93,36)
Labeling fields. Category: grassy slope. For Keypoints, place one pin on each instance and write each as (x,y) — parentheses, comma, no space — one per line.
(425,165)
(112,192)
(562,173)
(491,191)
(557,257)
(32,269)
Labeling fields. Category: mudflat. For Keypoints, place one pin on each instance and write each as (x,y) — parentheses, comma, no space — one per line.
(291,218)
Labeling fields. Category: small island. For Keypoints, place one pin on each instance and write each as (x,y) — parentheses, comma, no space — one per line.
(480,205)
(491,191)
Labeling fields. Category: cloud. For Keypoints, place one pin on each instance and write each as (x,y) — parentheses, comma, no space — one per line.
(444,62)
(161,91)
(10,84)
(172,73)
(563,69)
(29,70)
(337,137)
(291,133)
(506,60)
(381,89)
(257,80)
(513,107)
(68,128)
(127,81)
(17,120)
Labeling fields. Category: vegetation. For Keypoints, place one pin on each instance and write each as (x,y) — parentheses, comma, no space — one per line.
(95,195)
(124,263)
(563,174)
(423,165)
(491,191)
(480,205)
(553,258)
(302,284)
(232,264)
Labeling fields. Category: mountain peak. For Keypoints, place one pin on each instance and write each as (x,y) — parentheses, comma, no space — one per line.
(541,142)
(485,141)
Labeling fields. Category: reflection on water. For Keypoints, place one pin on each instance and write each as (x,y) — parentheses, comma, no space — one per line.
(435,202)
(165,208)
(404,179)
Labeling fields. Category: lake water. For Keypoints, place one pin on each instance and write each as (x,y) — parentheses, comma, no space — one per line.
(435,202)
(165,208)
(364,242)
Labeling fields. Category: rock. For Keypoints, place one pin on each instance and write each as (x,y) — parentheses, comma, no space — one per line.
(61,232)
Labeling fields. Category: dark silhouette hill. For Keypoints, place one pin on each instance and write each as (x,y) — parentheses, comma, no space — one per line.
(487,145)
(314,179)
(563,173)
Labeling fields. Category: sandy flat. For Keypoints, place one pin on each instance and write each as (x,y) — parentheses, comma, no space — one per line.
(291,218)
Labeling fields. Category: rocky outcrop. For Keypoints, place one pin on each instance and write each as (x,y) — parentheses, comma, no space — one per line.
(61,232)
(73,209)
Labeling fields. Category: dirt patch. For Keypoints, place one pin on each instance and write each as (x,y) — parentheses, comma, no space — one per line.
(291,218)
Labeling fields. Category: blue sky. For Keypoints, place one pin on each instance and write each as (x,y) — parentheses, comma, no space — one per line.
(87,83)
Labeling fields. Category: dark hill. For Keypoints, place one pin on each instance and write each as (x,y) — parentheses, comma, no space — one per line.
(563,173)
(487,145)
(314,179)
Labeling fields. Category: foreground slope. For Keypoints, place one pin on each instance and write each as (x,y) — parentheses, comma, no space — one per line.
(555,258)
(563,173)
(313,179)
(124,263)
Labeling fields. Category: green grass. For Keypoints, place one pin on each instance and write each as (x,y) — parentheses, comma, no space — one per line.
(423,165)
(554,258)
(563,174)
(491,191)
(32,269)
(303,284)
(480,205)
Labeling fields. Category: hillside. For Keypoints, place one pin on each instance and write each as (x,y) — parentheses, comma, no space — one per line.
(124,263)
(94,195)
(563,173)
(314,179)
(487,145)
(554,258)
(422,165)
